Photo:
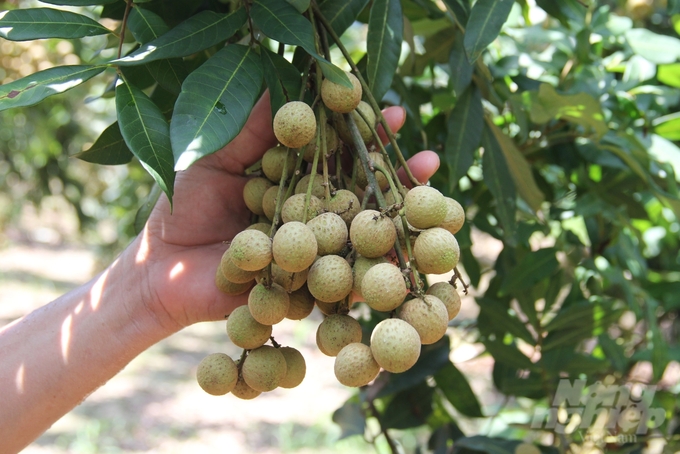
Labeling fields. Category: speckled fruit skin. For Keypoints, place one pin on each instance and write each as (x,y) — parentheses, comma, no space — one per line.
(327,308)
(362,180)
(318,189)
(330,232)
(217,374)
(263,227)
(269,201)
(246,332)
(361,266)
(339,98)
(253,192)
(232,272)
(428,316)
(295,124)
(362,126)
(395,345)
(345,204)
(264,368)
(425,207)
(296,368)
(228,287)
(330,279)
(372,235)
(294,247)
(268,305)
(251,250)
(383,287)
(336,331)
(289,281)
(273,161)
(448,295)
(243,391)
(436,251)
(294,208)
(301,304)
(455,216)
(332,144)
(355,366)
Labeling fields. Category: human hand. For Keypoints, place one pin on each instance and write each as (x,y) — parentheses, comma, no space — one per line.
(180,252)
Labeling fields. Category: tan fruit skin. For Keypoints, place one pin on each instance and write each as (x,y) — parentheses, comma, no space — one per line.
(362,180)
(355,366)
(296,368)
(217,374)
(264,368)
(301,304)
(295,124)
(251,250)
(332,144)
(269,201)
(428,316)
(425,207)
(273,161)
(268,305)
(330,279)
(448,295)
(383,287)
(233,273)
(336,331)
(395,345)
(361,266)
(294,247)
(339,98)
(362,126)
(436,251)
(294,208)
(253,192)
(318,189)
(331,233)
(246,332)
(243,391)
(372,235)
(230,288)
(455,216)
(344,203)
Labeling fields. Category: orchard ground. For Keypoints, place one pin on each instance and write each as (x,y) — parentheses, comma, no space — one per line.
(155,404)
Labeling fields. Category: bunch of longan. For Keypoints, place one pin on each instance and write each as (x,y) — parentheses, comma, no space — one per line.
(326,241)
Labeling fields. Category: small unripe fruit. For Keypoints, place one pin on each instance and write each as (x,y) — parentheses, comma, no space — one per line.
(243,391)
(448,295)
(330,279)
(455,216)
(330,232)
(270,200)
(428,316)
(295,124)
(361,266)
(372,234)
(362,180)
(425,207)
(301,304)
(246,332)
(395,345)
(296,368)
(332,144)
(217,374)
(339,98)
(264,368)
(253,192)
(294,247)
(294,208)
(362,126)
(228,287)
(251,250)
(436,251)
(268,305)
(318,188)
(232,272)
(336,331)
(383,287)
(345,204)
(355,365)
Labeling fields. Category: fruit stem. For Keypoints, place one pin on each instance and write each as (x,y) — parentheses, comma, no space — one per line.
(338,170)
(457,276)
(393,188)
(367,92)
(383,429)
(409,251)
(279,200)
(274,343)
(239,366)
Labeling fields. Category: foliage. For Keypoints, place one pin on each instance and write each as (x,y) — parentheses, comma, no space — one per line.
(555,124)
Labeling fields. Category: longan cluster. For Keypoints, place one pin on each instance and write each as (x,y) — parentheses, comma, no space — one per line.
(328,241)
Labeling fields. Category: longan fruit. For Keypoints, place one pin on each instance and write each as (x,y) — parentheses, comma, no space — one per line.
(217,374)
(295,124)
(339,98)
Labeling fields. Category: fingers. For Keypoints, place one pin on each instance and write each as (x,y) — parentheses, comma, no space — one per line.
(423,165)
(395,117)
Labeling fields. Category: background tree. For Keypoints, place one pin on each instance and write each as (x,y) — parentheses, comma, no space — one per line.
(555,121)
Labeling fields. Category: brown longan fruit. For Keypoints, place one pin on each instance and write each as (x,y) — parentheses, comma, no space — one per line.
(228,287)
(273,161)
(243,391)
(264,368)
(436,251)
(232,272)
(455,216)
(294,247)
(246,332)
(268,305)
(301,304)
(345,204)
(395,345)
(318,188)
(270,200)
(330,232)
(217,374)
(336,331)
(372,234)
(296,368)
(295,124)
(361,266)
(425,207)
(253,192)
(294,208)
(448,295)
(384,287)
(428,316)
(355,365)
(339,98)
(332,144)
(251,250)
(330,278)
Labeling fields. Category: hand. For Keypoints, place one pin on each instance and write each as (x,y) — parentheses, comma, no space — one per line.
(182,250)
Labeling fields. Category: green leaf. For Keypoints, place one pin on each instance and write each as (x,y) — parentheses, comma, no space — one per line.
(669,74)
(508,354)
(501,321)
(464,133)
(341,14)
(195,34)
(300,5)
(146,134)
(283,79)
(79,2)
(460,67)
(169,74)
(383,44)
(457,390)
(659,49)
(281,22)
(668,126)
(533,267)
(497,177)
(36,87)
(108,149)
(488,445)
(460,8)
(579,322)
(350,417)
(409,408)
(485,22)
(145,25)
(214,104)
(36,23)
(145,210)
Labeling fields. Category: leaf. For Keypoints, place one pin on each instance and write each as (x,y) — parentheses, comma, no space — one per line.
(668,126)
(108,149)
(485,22)
(146,134)
(464,128)
(502,322)
(508,354)
(36,23)
(79,2)
(341,14)
(350,417)
(300,5)
(460,9)
(457,390)
(532,268)
(36,87)
(281,22)
(409,408)
(283,79)
(169,74)
(488,445)
(669,74)
(460,67)
(145,210)
(500,183)
(659,49)
(520,169)
(509,383)
(579,322)
(146,25)
(195,34)
(214,104)
(383,44)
